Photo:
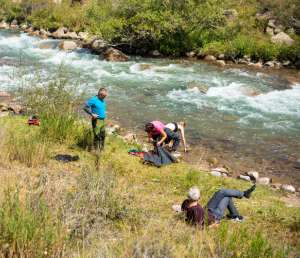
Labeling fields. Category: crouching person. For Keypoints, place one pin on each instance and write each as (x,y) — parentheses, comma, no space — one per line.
(215,208)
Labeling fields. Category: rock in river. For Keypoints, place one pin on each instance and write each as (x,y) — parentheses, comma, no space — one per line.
(115,55)
(67,45)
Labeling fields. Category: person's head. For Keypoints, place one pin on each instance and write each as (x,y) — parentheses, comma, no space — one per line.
(102,93)
(182,123)
(194,193)
(149,127)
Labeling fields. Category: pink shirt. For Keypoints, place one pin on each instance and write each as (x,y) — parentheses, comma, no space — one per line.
(159,126)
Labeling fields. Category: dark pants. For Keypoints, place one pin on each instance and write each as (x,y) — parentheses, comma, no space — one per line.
(172,136)
(99,133)
(221,200)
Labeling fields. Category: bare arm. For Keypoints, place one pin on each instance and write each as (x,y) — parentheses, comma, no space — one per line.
(181,129)
(164,137)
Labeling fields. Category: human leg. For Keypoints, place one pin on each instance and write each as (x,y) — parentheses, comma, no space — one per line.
(172,136)
(221,200)
(99,133)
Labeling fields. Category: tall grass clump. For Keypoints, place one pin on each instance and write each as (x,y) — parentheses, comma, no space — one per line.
(22,143)
(56,103)
(28,228)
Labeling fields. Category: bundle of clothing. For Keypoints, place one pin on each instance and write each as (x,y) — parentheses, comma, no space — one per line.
(158,157)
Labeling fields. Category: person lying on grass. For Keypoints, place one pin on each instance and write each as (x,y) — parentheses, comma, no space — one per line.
(215,208)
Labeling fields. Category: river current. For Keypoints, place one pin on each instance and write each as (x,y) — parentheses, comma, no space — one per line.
(253,113)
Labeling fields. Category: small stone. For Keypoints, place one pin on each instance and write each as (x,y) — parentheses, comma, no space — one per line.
(269,64)
(4,114)
(155,53)
(297,164)
(264,180)
(130,137)
(221,62)
(221,57)
(270,31)
(24,26)
(254,175)
(271,23)
(4,25)
(277,30)
(34,33)
(14,22)
(286,63)
(243,61)
(257,65)
(176,207)
(288,188)
(60,33)
(209,58)
(83,35)
(67,45)
(16,108)
(191,54)
(221,170)
(71,35)
(216,173)
(243,177)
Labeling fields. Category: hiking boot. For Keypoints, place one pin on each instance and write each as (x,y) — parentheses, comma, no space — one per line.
(248,192)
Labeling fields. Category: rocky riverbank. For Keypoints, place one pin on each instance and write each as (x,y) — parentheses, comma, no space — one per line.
(119,52)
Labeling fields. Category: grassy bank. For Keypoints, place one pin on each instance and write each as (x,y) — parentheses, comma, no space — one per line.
(172,27)
(114,206)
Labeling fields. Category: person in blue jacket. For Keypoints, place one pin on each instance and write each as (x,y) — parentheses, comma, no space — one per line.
(96,108)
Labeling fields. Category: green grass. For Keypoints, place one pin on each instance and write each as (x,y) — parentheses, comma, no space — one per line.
(123,209)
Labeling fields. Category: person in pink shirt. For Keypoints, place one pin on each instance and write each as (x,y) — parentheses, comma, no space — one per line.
(155,131)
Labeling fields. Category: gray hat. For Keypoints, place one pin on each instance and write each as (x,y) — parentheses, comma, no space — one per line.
(194,193)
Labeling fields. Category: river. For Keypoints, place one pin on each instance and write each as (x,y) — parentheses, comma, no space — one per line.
(247,119)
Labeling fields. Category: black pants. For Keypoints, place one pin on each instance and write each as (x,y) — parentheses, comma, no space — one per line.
(99,133)
(172,136)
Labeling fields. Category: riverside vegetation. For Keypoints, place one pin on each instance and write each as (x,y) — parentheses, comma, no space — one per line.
(120,208)
(233,28)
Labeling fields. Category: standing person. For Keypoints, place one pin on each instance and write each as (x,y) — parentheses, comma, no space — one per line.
(216,206)
(173,130)
(96,108)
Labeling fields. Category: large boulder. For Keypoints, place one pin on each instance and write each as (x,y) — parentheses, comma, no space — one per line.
(60,33)
(114,55)
(282,38)
(99,46)
(67,45)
